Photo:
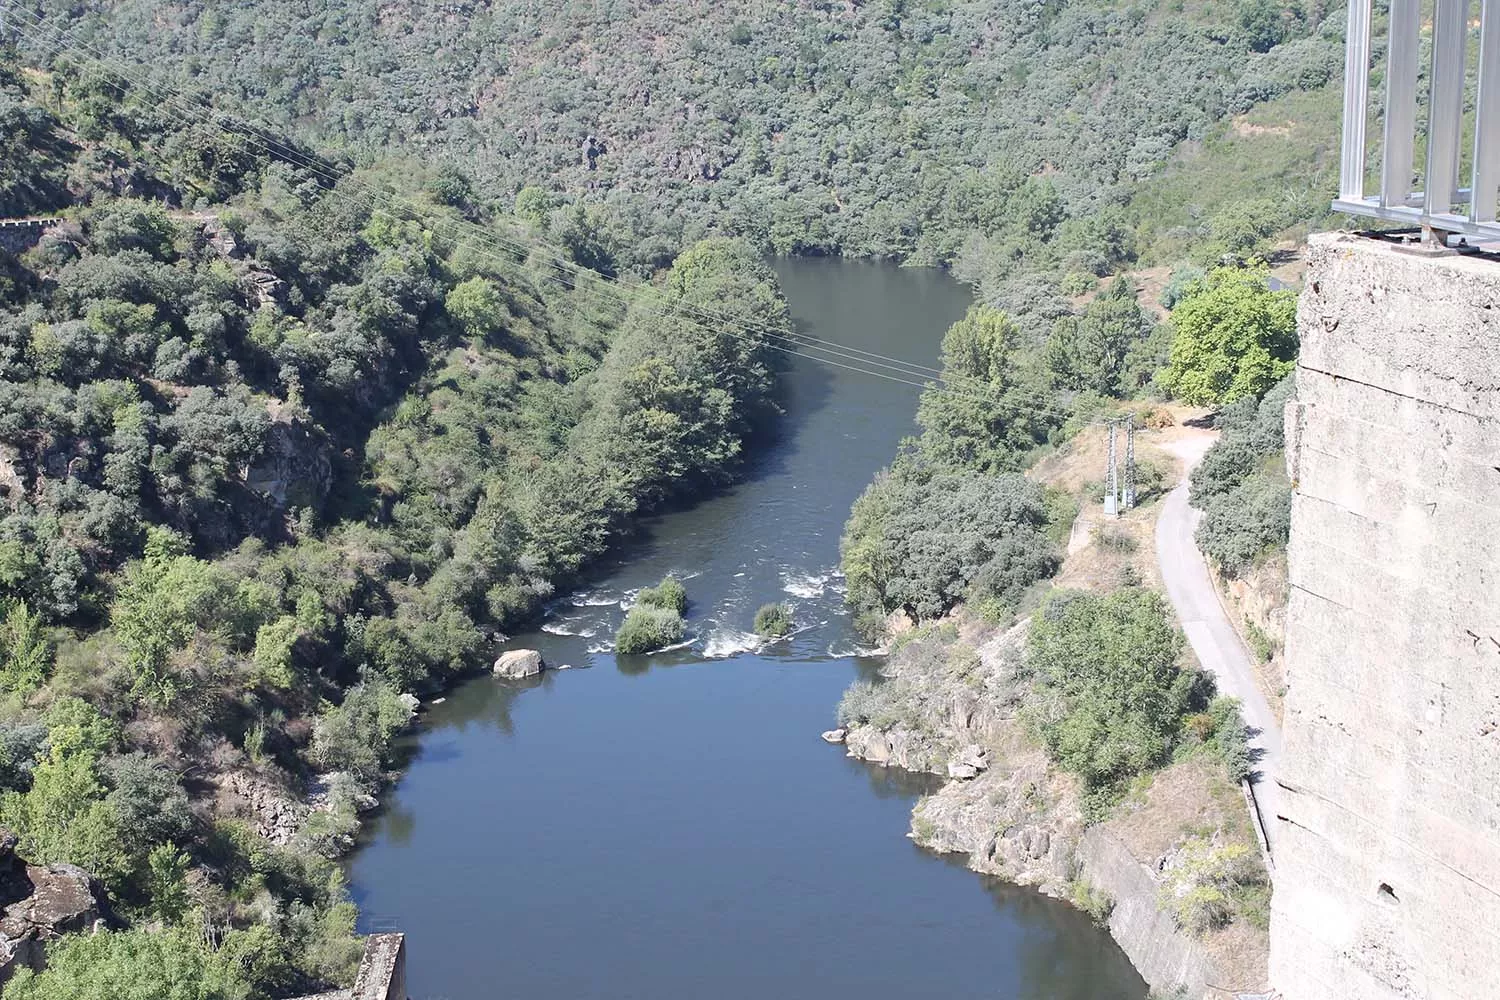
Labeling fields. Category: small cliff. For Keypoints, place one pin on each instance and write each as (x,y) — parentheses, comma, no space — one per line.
(951,700)
(1388,862)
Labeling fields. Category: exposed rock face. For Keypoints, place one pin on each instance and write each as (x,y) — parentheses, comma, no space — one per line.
(39,903)
(272,809)
(969,762)
(955,712)
(517,663)
(294,469)
(1006,808)
(1388,856)
(835,735)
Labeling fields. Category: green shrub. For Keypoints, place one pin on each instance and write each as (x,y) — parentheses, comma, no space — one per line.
(773,621)
(25,648)
(1111,697)
(175,964)
(1091,900)
(1260,640)
(669,594)
(647,629)
(355,736)
(919,541)
(1245,498)
(1199,885)
(1240,527)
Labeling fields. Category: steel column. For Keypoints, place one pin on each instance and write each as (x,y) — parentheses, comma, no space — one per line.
(1400,102)
(1356,101)
(1445,113)
(1486,178)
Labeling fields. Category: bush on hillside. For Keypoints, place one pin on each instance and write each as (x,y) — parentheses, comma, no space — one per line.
(1245,497)
(1111,697)
(647,629)
(919,542)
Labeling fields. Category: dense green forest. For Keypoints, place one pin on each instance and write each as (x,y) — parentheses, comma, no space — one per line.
(1007,140)
(273,463)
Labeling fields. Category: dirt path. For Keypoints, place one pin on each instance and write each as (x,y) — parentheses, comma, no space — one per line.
(1220,651)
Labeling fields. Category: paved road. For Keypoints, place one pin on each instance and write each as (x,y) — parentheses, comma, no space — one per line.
(1212,637)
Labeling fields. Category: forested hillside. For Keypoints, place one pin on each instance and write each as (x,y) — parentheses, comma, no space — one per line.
(1005,139)
(270,463)
(273,460)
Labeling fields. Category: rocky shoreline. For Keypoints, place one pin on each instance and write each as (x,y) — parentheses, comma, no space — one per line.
(950,704)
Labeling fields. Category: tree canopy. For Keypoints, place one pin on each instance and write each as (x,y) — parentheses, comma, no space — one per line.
(1233,337)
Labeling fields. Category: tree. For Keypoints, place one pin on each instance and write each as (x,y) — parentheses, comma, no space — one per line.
(1113,695)
(175,964)
(25,649)
(920,542)
(65,817)
(163,602)
(1234,337)
(985,415)
(1089,352)
(478,307)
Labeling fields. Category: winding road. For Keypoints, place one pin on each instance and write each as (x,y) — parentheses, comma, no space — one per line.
(1219,648)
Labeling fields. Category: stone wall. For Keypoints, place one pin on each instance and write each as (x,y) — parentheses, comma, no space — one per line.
(382,972)
(1388,863)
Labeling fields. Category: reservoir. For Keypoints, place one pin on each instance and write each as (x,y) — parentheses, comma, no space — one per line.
(671,827)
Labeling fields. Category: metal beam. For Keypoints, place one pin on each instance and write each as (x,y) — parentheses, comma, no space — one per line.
(1487,118)
(1400,102)
(1356,101)
(1445,111)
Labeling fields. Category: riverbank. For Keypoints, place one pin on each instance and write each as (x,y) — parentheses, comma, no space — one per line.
(718,848)
(954,696)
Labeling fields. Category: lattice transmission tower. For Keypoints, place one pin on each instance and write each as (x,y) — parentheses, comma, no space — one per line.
(1112,478)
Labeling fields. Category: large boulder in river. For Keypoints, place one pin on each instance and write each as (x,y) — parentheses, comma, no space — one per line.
(516,663)
(39,903)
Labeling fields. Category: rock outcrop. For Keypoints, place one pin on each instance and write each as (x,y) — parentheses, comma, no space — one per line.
(271,808)
(953,709)
(295,468)
(518,663)
(39,903)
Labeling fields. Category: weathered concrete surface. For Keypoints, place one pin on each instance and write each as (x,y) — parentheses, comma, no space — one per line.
(382,972)
(1165,956)
(1388,858)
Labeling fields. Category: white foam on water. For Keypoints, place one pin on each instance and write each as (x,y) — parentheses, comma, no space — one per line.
(602,647)
(684,644)
(570,628)
(593,599)
(804,585)
(730,642)
(851,652)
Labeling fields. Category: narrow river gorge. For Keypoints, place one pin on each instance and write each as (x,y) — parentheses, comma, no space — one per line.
(671,826)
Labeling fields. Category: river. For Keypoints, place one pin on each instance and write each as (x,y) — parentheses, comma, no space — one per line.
(671,827)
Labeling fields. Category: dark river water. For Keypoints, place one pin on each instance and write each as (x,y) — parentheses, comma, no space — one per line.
(671,827)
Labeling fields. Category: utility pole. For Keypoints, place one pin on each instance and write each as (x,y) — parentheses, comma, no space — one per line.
(1129,497)
(1111,479)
